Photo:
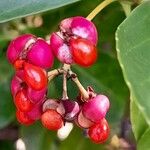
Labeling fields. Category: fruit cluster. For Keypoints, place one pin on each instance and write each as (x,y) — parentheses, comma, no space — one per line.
(74,43)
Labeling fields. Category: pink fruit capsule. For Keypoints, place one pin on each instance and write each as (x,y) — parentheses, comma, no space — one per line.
(82,121)
(81,27)
(61,49)
(40,54)
(65,24)
(29,47)
(96,108)
(20,74)
(71,109)
(36,96)
(36,111)
(50,104)
(55,105)
(16,83)
(84,28)
(17,46)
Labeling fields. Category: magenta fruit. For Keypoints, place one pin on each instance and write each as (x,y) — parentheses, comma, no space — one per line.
(17,46)
(80,27)
(65,25)
(15,85)
(96,108)
(61,49)
(36,96)
(17,82)
(36,111)
(40,54)
(30,48)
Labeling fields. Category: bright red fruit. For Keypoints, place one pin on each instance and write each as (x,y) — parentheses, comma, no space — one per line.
(52,120)
(99,132)
(22,102)
(23,118)
(35,77)
(83,51)
(18,64)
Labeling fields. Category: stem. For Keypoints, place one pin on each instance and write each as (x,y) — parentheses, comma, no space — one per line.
(82,90)
(65,68)
(64,95)
(99,8)
(126,5)
(52,74)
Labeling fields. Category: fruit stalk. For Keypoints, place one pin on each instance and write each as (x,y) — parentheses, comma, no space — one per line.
(53,73)
(100,7)
(64,95)
(83,91)
(66,70)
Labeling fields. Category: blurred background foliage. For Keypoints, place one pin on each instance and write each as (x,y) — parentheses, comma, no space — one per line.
(105,76)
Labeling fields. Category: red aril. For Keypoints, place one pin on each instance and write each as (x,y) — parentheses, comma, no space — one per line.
(83,51)
(35,77)
(18,64)
(99,132)
(23,118)
(52,120)
(22,102)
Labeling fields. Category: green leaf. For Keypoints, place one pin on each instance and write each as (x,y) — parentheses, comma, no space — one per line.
(132,39)
(16,9)
(144,142)
(7,109)
(133,44)
(139,124)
